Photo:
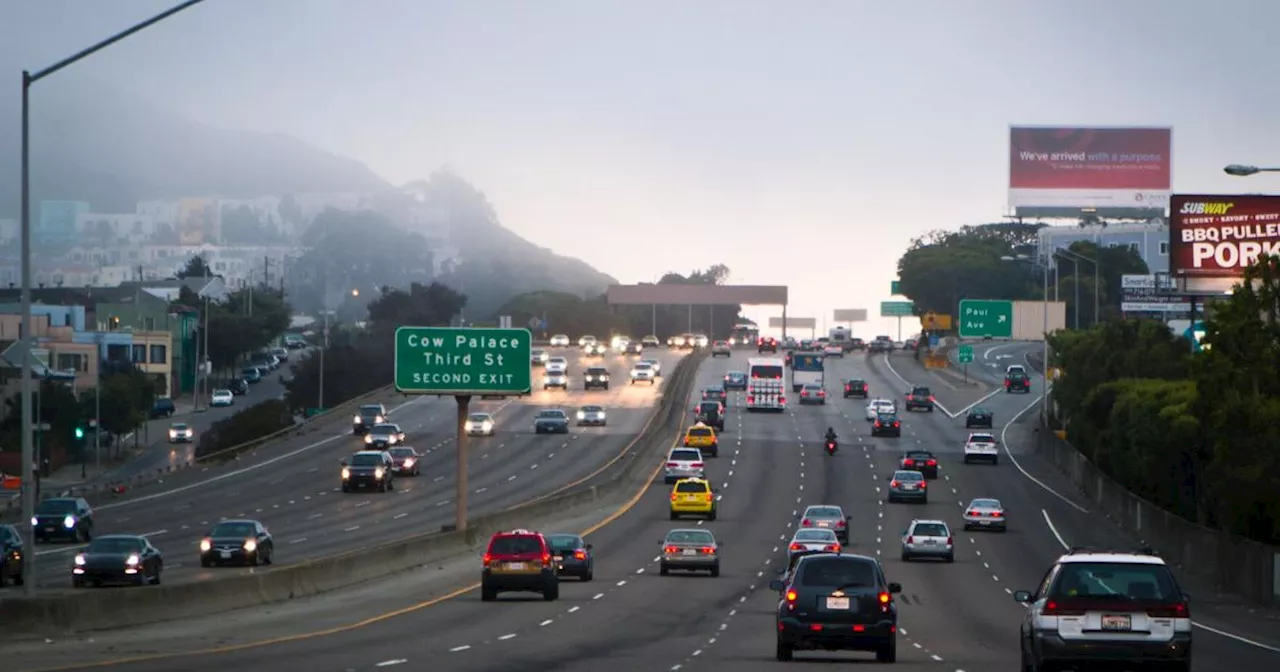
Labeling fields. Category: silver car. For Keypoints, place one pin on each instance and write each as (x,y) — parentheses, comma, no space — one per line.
(560,341)
(813,539)
(828,517)
(557,365)
(693,550)
(479,424)
(643,372)
(878,406)
(908,486)
(928,539)
(985,513)
(592,416)
(538,357)
(684,463)
(559,380)
(655,364)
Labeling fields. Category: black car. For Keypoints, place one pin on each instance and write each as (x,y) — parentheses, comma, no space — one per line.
(1017,382)
(238,386)
(371,469)
(11,556)
(735,380)
(407,461)
(979,417)
(572,555)
(767,345)
(368,416)
(919,398)
(552,421)
(383,436)
(633,348)
(856,387)
(715,393)
(837,602)
(162,408)
(240,542)
(710,414)
(922,461)
(64,518)
(886,424)
(117,559)
(596,377)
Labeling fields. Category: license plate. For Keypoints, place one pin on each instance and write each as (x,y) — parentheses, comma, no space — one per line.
(226,555)
(515,565)
(1117,623)
(820,524)
(559,558)
(838,603)
(985,522)
(690,551)
(929,542)
(48,529)
(908,487)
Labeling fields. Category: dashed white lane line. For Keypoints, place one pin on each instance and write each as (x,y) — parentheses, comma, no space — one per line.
(398,516)
(456,649)
(573,609)
(353,528)
(389,663)
(505,637)
(546,623)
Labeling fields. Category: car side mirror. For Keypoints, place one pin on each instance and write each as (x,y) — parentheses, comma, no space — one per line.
(777,585)
(1022,597)
(895,588)
(589,547)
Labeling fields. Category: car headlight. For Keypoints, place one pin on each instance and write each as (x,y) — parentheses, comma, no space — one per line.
(205,545)
(392,439)
(602,415)
(368,438)
(132,560)
(80,560)
(173,434)
(250,545)
(346,473)
(378,420)
(488,426)
(69,521)
(34,522)
(379,472)
(581,415)
(356,419)
(408,461)
(546,380)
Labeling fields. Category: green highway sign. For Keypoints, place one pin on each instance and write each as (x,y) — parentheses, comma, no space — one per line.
(895,288)
(449,360)
(986,319)
(965,354)
(897,309)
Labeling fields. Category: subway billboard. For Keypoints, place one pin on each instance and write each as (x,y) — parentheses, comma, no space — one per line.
(1217,236)
(1090,167)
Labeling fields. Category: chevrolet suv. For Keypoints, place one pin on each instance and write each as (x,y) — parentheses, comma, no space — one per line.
(1093,606)
(919,398)
(519,561)
(835,602)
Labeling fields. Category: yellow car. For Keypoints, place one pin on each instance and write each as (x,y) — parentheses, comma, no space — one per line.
(703,438)
(693,497)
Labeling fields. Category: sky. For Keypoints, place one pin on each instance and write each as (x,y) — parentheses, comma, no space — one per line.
(799,143)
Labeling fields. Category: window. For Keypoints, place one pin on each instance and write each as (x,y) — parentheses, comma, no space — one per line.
(1164,248)
(148,324)
(139,354)
(158,353)
(72,362)
(1135,247)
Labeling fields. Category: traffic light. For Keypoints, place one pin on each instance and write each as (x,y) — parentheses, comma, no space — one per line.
(79,433)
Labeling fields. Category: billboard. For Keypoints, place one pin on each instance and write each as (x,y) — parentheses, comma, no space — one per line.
(794,323)
(850,315)
(1216,236)
(199,221)
(697,295)
(1150,294)
(1090,168)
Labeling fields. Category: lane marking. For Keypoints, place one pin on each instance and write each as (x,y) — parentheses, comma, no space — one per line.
(506,637)
(389,663)
(1004,444)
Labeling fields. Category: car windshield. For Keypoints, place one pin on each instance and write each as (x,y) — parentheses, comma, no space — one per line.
(556,360)
(222,393)
(815,535)
(514,545)
(402,452)
(1111,580)
(385,429)
(709,406)
(921,392)
(813,387)
(826,571)
(115,545)
(887,417)
(690,537)
(592,409)
(857,382)
(551,414)
(823,512)
(737,375)
(908,476)
(982,438)
(985,504)
(597,372)
(478,417)
(979,411)
(643,367)
(564,542)
(691,486)
(930,530)
(366,460)
(56,506)
(686,456)
(370,410)
(700,431)
(923,454)
(233,530)
(180,426)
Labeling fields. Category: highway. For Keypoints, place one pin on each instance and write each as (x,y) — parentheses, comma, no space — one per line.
(293,486)
(955,617)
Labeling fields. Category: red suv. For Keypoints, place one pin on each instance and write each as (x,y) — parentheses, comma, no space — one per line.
(519,561)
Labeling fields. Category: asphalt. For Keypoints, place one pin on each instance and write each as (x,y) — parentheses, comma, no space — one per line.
(293,486)
(957,616)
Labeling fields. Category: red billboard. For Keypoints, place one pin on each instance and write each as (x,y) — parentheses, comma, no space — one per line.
(1090,167)
(1217,236)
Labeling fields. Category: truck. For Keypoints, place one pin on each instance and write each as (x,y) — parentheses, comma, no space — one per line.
(765,390)
(806,369)
(841,337)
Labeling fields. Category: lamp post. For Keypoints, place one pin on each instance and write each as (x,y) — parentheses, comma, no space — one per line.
(1241,170)
(1076,258)
(1044,311)
(28,456)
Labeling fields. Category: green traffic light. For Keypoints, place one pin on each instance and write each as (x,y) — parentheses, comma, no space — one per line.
(79,432)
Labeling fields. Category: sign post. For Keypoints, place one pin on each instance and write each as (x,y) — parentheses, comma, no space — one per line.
(965,355)
(986,319)
(898,309)
(462,362)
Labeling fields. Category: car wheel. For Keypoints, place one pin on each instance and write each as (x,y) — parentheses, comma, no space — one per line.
(905,557)
(266,555)
(487,594)
(712,515)
(663,570)
(951,558)
(995,461)
(590,575)
(715,571)
(785,651)
(888,653)
(552,592)
(674,515)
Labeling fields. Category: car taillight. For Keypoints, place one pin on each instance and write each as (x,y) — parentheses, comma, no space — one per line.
(924,484)
(839,523)
(709,496)
(671,550)
(1052,608)
(893,484)
(486,559)
(931,397)
(885,598)
(911,397)
(672,465)
(908,462)
(805,523)
(877,423)
(673,496)
(750,399)
(1006,383)
(996,514)
(950,541)
(797,547)
(580,554)
(708,550)
(911,539)
(833,548)
(822,393)
(895,424)
(791,596)
(546,558)
(864,388)
(932,463)
(1175,610)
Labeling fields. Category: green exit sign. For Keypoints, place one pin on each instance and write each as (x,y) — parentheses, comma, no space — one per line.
(897,309)
(463,361)
(982,318)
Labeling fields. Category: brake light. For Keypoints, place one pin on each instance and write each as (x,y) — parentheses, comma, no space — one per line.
(833,548)
(822,393)
(671,550)
(932,463)
(708,550)
(911,539)
(908,462)
(924,484)
(546,558)
(885,598)
(911,397)
(797,547)
(750,399)
(1175,610)
(791,596)
(895,424)
(877,423)
(864,388)
(931,397)
(709,496)
(672,465)
(1052,608)
(971,512)
(580,554)
(839,523)
(805,523)
(486,559)
(673,496)
(996,514)
(1006,383)
(893,484)
(696,465)
(950,541)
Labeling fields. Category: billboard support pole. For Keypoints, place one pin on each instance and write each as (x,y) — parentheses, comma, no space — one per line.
(691,318)
(463,442)
(784,322)
(899,327)
(655,320)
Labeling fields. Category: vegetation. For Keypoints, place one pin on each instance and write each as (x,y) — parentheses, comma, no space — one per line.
(247,321)
(126,398)
(251,424)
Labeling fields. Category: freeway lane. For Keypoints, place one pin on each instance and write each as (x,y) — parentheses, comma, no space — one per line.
(298,498)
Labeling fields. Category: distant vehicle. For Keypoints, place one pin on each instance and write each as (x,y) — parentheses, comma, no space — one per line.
(881,344)
(878,406)
(985,513)
(922,461)
(556,365)
(684,463)
(826,517)
(573,556)
(584,340)
(519,561)
(767,344)
(981,447)
(181,432)
(551,421)
(372,469)
(538,357)
(164,408)
(368,416)
(744,335)
(813,539)
(886,424)
(117,559)
(715,393)
(928,539)
(596,377)
(693,550)
(240,542)
(64,518)
(735,380)
(807,369)
(765,390)
(594,349)
(979,417)
(592,416)
(703,438)
(657,366)
(384,436)
(812,393)
(693,497)
(643,372)
(479,424)
(406,461)
(841,338)
(908,486)
(710,413)
(559,341)
(721,348)
(558,380)
(856,387)
(1016,381)
(920,398)
(222,398)
(650,341)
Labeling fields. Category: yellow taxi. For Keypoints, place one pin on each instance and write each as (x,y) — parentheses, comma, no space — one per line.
(693,497)
(703,438)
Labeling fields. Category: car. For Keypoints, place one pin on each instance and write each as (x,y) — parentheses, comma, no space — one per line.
(979,417)
(592,416)
(241,542)
(573,556)
(691,550)
(908,486)
(557,365)
(693,497)
(281,354)
(406,461)
(238,386)
(519,561)
(1015,369)
(826,517)
(856,387)
(928,539)
(856,344)
(650,341)
(1017,382)
(735,380)
(551,421)
(981,447)
(701,340)
(657,366)
(479,424)
(585,339)
(703,438)
(538,357)
(767,344)
(812,393)
(633,348)
(878,406)
(12,557)
(372,469)
(643,372)
(813,539)
(595,378)
(985,513)
(619,343)
(721,348)
(886,424)
(835,602)
(181,432)
(684,463)
(715,393)
(559,381)
(922,461)
(252,374)
(710,413)
(881,344)
(385,435)
(64,518)
(222,397)
(920,398)
(1106,606)
(559,341)
(833,350)
(295,342)
(594,349)
(368,416)
(117,559)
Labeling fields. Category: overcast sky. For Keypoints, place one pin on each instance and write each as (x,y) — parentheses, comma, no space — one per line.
(800,143)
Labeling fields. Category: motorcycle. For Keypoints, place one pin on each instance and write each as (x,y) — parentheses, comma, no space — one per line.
(831,447)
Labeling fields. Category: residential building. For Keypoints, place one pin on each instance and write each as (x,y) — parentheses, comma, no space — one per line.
(56,225)
(212,288)
(1149,240)
(9,232)
(97,230)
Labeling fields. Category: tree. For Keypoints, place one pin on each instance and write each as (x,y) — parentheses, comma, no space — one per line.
(937,276)
(125,401)
(242,226)
(55,404)
(195,268)
(1113,263)
(433,305)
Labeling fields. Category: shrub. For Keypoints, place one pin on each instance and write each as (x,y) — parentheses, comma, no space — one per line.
(248,425)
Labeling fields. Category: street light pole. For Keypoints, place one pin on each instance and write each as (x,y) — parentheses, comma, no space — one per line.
(1044,366)
(324,347)
(1076,258)
(29,78)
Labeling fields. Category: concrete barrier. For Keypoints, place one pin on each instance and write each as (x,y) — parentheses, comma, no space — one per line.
(99,609)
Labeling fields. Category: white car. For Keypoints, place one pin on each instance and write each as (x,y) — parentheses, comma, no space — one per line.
(222,398)
(559,380)
(643,371)
(583,340)
(684,463)
(592,416)
(981,447)
(657,366)
(701,340)
(538,357)
(878,406)
(479,424)
(833,350)
(813,539)
(560,341)
(557,366)
(928,539)
(594,349)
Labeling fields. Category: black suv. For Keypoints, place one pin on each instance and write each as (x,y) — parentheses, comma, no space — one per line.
(1017,382)
(708,413)
(855,388)
(919,398)
(67,518)
(767,344)
(368,416)
(837,602)
(596,377)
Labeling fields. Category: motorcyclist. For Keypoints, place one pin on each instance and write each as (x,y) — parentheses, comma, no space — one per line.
(831,435)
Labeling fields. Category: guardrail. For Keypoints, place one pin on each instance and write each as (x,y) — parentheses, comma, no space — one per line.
(110,609)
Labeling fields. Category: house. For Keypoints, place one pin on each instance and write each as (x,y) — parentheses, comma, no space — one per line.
(1149,240)
(211,288)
